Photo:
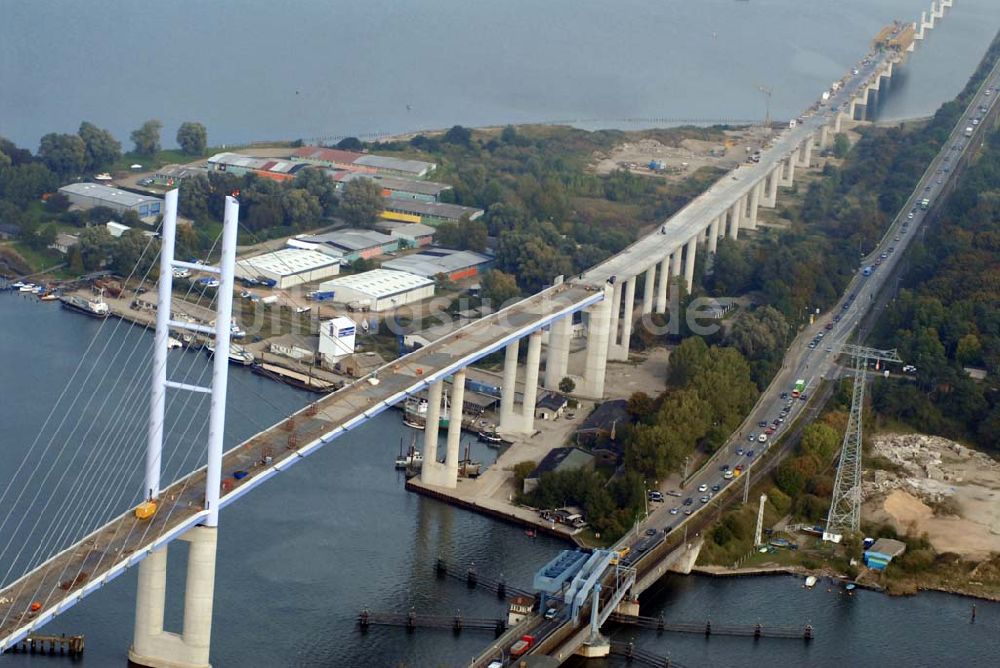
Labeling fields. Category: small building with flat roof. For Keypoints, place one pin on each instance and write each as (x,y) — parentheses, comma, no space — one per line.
(429,213)
(90,195)
(289,266)
(550,406)
(454,265)
(170,175)
(558,459)
(296,347)
(64,242)
(882,552)
(348,244)
(379,289)
(413,235)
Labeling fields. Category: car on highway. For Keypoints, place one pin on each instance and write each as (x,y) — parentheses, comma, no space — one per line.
(762,438)
(724,467)
(749,454)
(673,492)
(803,397)
(650,532)
(716,488)
(909,216)
(702,488)
(728,475)
(739,452)
(898,237)
(704,499)
(836,318)
(828,327)
(673,511)
(751,438)
(687,511)
(812,344)
(739,468)
(783,395)
(762,423)
(656,497)
(769,431)
(688,501)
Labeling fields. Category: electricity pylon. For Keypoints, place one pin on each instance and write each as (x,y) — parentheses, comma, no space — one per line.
(845,509)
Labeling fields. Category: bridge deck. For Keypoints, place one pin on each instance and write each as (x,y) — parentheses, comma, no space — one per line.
(714,202)
(125,541)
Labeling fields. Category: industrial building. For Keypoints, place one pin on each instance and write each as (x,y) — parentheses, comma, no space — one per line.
(348,244)
(289,266)
(429,213)
(267,168)
(90,195)
(363,162)
(336,340)
(379,289)
(424,191)
(454,265)
(170,175)
(558,459)
(413,235)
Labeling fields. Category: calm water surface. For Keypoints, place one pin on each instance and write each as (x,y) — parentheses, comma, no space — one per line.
(259,69)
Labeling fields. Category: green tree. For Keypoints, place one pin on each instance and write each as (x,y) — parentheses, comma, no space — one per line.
(841,145)
(96,245)
(101,148)
(567,385)
(193,197)
(686,360)
(462,235)
(63,154)
(133,252)
(498,288)
(521,471)
(147,137)
(457,135)
(361,202)
(350,144)
(302,210)
(192,138)
(320,185)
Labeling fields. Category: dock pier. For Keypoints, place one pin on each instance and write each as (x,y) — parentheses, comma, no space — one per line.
(412,621)
(707,629)
(71,646)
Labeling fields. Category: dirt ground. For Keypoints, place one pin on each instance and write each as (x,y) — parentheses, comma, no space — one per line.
(931,472)
(681,161)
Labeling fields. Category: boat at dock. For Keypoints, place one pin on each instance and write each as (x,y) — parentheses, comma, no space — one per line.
(411,458)
(492,438)
(237,353)
(95,309)
(296,379)
(810,581)
(415,412)
(173,343)
(468,468)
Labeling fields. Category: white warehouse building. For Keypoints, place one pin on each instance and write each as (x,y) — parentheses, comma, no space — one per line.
(379,289)
(289,266)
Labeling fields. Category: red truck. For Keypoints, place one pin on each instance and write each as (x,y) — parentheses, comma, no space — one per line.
(522,645)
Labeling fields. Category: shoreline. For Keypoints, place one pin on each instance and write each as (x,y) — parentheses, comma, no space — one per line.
(821,574)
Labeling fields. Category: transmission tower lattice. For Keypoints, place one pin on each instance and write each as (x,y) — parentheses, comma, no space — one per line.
(845,509)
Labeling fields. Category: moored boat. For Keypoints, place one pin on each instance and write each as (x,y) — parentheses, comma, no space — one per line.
(415,412)
(95,309)
(237,353)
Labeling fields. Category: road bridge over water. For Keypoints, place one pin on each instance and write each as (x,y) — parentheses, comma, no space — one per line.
(189,508)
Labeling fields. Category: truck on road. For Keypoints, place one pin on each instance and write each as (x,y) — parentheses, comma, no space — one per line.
(800,385)
(968,131)
(924,203)
(522,645)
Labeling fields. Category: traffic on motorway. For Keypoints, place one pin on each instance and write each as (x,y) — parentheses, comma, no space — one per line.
(813,356)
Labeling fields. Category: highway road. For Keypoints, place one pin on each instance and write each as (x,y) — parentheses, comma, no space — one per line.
(813,355)
(715,201)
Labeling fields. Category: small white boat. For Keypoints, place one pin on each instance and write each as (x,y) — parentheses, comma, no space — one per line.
(411,458)
(16,286)
(173,343)
(103,176)
(27,287)
(237,353)
(811,581)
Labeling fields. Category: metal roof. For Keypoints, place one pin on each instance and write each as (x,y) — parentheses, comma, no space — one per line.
(416,167)
(395,183)
(320,154)
(378,283)
(434,261)
(409,230)
(108,194)
(433,209)
(287,261)
(350,239)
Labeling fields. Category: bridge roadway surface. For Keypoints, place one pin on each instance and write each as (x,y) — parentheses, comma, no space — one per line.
(125,541)
(801,362)
(717,200)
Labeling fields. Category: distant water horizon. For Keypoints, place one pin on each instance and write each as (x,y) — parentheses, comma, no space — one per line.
(251,70)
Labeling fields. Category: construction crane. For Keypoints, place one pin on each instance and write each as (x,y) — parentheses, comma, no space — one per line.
(767,107)
(845,508)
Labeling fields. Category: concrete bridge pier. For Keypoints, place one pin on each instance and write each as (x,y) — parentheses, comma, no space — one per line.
(591,385)
(751,219)
(619,351)
(734,220)
(786,175)
(713,235)
(692,247)
(557,355)
(616,309)
(433,472)
(661,286)
(770,199)
(513,420)
(649,290)
(805,152)
(824,137)
(154,647)
(675,262)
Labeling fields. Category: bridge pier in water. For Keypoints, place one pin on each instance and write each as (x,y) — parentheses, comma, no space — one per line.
(155,647)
